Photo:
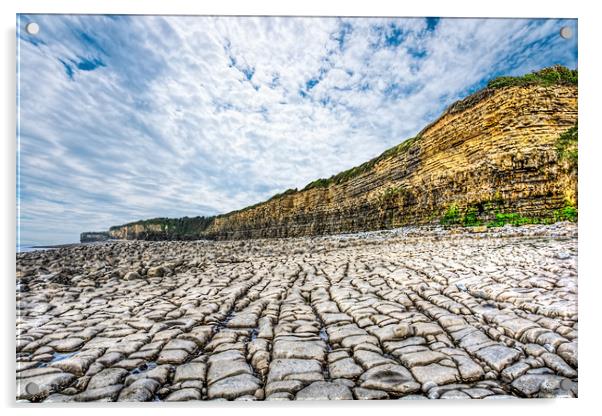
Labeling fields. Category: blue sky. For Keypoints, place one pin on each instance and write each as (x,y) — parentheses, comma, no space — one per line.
(131,117)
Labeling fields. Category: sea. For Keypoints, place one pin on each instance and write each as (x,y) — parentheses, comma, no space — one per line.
(36,247)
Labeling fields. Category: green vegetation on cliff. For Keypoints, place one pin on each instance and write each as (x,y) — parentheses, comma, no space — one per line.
(453,216)
(364,167)
(392,193)
(179,228)
(546,77)
(566,146)
(568,213)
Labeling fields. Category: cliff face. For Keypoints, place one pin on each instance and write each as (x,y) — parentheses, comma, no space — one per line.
(497,152)
(92,236)
(163,229)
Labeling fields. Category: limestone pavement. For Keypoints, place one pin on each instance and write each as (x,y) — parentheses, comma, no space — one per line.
(412,313)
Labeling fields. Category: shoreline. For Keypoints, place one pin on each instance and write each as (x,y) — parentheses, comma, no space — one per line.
(558,229)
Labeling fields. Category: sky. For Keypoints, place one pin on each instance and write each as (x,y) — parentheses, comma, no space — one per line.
(122,118)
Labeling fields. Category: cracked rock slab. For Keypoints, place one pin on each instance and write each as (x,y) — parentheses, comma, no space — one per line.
(321,390)
(232,387)
(410,313)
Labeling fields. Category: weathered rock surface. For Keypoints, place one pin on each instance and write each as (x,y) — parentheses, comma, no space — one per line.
(408,313)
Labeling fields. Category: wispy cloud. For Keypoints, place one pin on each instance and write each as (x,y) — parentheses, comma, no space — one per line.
(128,117)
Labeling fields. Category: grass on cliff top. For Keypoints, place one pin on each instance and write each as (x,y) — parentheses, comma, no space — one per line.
(364,167)
(554,75)
(547,77)
(289,191)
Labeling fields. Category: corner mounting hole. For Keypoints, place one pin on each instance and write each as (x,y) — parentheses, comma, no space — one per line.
(32,28)
(566,32)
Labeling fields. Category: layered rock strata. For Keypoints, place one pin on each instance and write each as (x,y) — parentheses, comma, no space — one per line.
(494,152)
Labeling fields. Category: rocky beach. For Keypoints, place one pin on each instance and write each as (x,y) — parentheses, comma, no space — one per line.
(411,313)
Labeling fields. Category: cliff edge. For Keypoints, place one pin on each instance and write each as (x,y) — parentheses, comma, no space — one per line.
(507,153)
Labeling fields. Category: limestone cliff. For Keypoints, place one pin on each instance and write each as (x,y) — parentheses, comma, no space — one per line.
(93,236)
(507,149)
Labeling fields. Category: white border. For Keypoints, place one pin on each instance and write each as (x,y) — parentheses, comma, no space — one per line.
(590,157)
(466,8)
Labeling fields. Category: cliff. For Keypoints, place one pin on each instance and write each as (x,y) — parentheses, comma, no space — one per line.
(505,154)
(92,236)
